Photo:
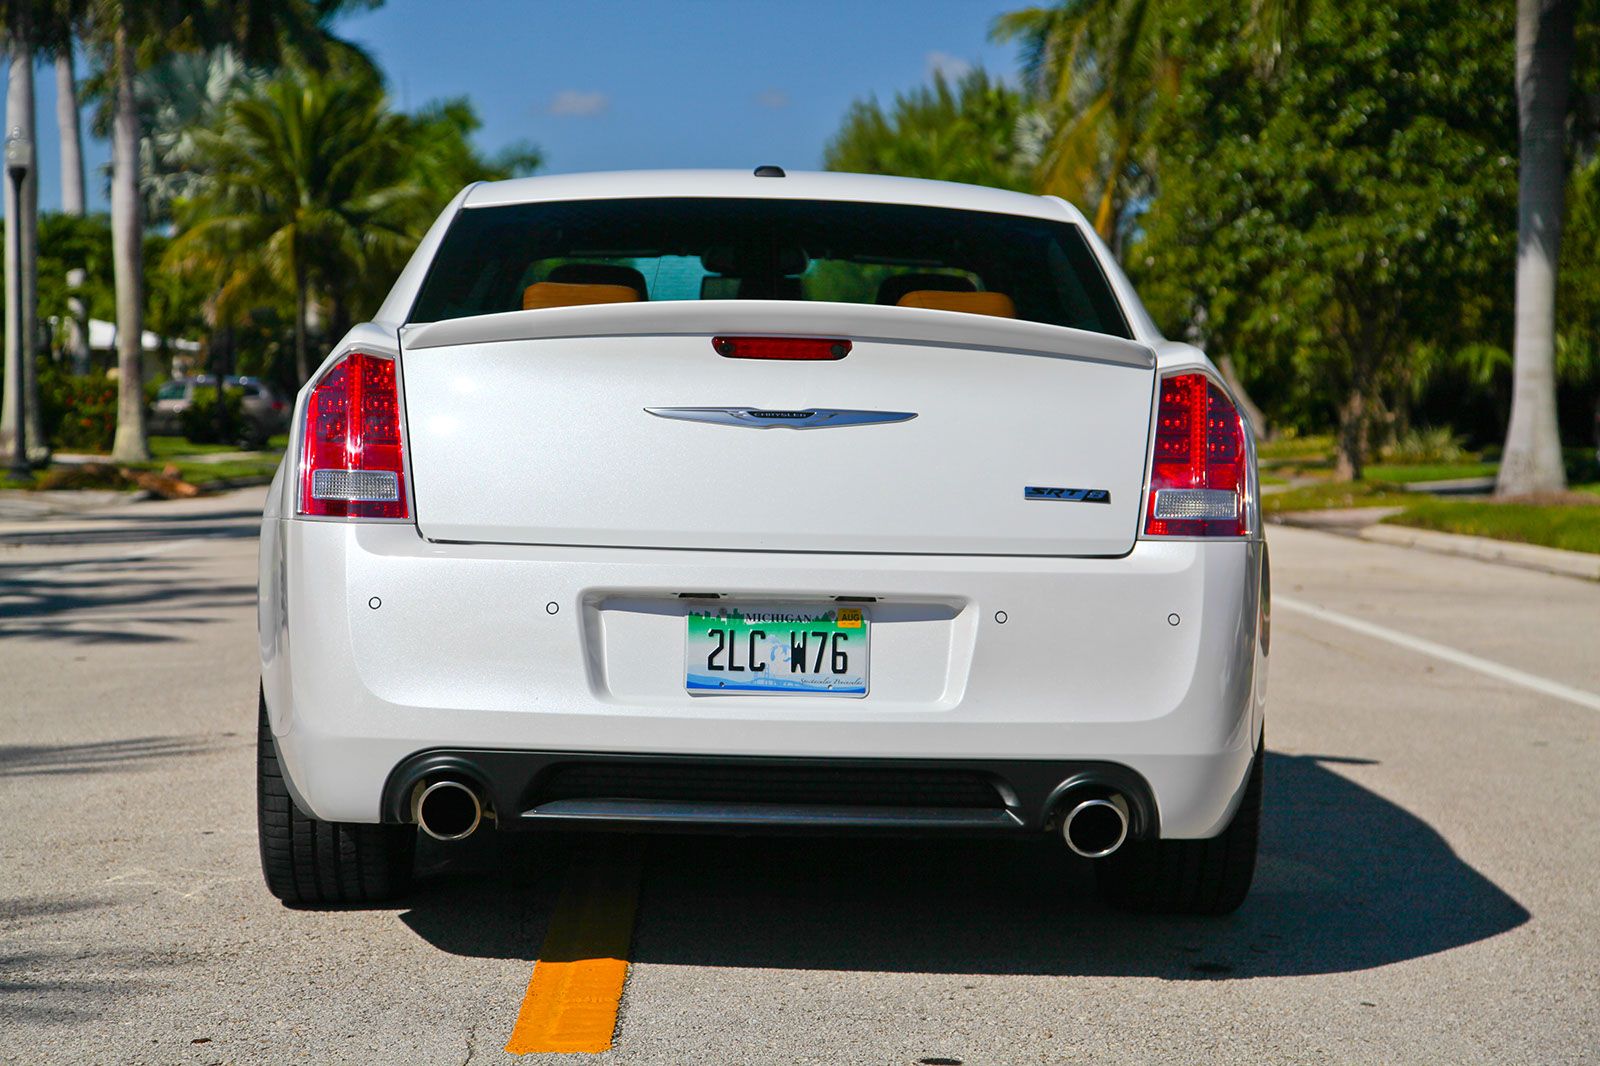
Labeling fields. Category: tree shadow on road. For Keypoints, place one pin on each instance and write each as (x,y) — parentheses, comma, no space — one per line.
(110,600)
(30,760)
(1347,881)
(122,528)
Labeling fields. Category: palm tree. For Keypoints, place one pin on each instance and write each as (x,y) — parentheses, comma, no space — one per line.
(262,30)
(976,130)
(1532,458)
(179,97)
(21,20)
(307,187)
(54,28)
(1101,68)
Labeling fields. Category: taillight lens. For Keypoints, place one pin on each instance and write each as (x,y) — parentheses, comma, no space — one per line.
(1199,470)
(795,348)
(352,460)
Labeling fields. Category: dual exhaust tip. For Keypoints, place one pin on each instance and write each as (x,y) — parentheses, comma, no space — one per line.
(1095,826)
(447,809)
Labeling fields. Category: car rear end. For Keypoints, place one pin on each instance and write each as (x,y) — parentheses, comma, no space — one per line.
(767,510)
(166,411)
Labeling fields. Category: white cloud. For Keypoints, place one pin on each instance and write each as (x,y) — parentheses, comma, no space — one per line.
(773,98)
(952,67)
(577,103)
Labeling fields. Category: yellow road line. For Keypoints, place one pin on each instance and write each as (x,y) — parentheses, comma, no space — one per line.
(572,997)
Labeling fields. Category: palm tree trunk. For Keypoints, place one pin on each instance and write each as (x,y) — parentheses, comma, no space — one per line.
(70,130)
(22,278)
(1532,460)
(132,442)
(67,122)
(302,371)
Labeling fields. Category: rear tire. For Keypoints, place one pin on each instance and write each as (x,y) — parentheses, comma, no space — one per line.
(1189,876)
(307,860)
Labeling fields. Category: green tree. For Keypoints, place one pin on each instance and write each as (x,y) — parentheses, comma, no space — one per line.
(307,187)
(975,131)
(1325,223)
(1102,71)
(1577,358)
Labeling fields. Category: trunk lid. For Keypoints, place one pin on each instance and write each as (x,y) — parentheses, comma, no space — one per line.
(553,427)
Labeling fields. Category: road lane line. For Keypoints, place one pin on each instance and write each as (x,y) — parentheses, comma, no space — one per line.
(576,987)
(1488,667)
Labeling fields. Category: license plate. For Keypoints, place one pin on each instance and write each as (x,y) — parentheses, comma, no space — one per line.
(777,650)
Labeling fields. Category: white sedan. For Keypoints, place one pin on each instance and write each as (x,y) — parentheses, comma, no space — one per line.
(767,502)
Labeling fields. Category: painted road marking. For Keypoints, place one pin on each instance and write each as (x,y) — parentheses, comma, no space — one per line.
(1488,667)
(572,998)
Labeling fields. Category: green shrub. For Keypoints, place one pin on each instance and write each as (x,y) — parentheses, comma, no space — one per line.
(79,411)
(199,419)
(1438,444)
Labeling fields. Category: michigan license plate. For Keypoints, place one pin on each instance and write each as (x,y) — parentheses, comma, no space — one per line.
(777,649)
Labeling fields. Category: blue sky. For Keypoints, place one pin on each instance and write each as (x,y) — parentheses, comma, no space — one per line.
(619,84)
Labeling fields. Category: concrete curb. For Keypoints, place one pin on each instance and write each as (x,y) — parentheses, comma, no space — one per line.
(1363,523)
(1583,565)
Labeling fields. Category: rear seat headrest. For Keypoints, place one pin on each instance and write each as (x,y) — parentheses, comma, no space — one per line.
(997,304)
(560,294)
(600,274)
(897,286)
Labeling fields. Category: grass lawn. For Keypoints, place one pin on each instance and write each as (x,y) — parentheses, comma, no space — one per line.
(1573,527)
(1329,495)
(106,476)
(1404,472)
(1294,449)
(204,473)
(169,447)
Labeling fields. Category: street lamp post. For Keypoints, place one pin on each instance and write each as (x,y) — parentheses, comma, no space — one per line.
(19,160)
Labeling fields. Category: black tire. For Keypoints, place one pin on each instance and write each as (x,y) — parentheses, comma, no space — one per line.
(307,860)
(1189,876)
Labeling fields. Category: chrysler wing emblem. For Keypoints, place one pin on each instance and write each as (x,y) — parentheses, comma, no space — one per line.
(767,418)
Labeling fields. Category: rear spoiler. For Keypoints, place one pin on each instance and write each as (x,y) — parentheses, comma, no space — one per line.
(768,318)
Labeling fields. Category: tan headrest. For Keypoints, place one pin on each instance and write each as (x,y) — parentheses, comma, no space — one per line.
(997,304)
(564,294)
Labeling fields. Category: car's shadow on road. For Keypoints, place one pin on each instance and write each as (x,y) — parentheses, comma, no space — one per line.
(1347,881)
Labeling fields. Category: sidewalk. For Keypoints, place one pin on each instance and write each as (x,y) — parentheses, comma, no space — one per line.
(99,511)
(20,505)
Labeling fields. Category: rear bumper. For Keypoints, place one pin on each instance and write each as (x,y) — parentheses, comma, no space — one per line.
(532,790)
(378,646)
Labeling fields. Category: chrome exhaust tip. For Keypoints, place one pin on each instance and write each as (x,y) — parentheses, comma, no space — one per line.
(447,809)
(1094,828)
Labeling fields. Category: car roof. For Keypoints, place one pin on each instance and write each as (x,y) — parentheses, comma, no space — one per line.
(743,184)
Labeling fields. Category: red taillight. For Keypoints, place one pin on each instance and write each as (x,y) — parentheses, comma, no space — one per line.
(352,460)
(780,347)
(1197,475)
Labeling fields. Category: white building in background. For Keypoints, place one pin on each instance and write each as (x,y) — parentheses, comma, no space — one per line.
(103,338)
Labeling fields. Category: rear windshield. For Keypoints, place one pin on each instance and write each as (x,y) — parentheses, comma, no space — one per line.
(560,254)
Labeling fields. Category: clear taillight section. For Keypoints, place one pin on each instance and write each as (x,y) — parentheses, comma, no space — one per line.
(352,459)
(1199,469)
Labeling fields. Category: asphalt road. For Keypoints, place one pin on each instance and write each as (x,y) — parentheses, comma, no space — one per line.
(1427,891)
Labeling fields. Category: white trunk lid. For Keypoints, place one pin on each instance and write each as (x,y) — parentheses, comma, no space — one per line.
(535,427)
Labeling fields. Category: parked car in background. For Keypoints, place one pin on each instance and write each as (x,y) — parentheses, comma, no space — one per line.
(262,411)
(762,502)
